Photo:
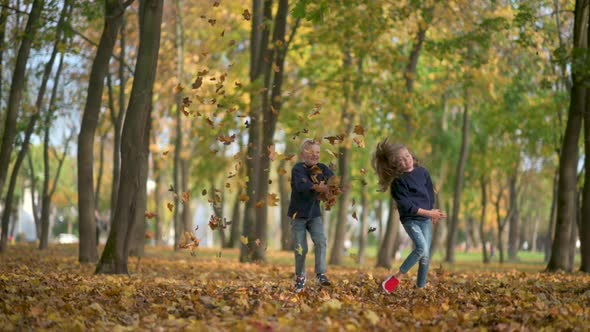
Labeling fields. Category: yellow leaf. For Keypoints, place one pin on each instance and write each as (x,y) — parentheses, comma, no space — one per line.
(299,249)
(371,316)
(244,240)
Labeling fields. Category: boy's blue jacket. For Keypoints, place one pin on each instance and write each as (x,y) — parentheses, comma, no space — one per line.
(411,191)
(304,200)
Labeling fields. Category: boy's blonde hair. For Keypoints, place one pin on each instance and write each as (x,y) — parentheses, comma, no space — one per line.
(307,143)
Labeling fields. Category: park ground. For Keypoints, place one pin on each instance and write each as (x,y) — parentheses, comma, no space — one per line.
(211,291)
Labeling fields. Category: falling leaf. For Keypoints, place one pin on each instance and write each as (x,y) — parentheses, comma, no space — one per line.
(244,198)
(216,3)
(212,21)
(204,192)
(227,140)
(171,189)
(244,240)
(259,204)
(214,222)
(333,139)
(198,82)
(360,141)
(272,154)
(294,216)
(363,171)
(372,229)
(354,216)
(185,196)
(258,242)
(247,15)
(170,206)
(178,88)
(165,153)
(353,202)
(275,68)
(222,33)
(150,215)
(272,200)
(359,130)
(282,171)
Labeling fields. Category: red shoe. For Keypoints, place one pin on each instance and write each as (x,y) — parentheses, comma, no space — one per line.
(390,284)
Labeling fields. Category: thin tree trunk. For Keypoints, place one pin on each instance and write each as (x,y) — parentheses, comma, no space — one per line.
(234,240)
(364,226)
(568,161)
(15,97)
(179,184)
(384,257)
(484,206)
(114,11)
(584,232)
(158,201)
(513,226)
(34,198)
(3,19)
(286,236)
(136,130)
(117,119)
(548,240)
(459,180)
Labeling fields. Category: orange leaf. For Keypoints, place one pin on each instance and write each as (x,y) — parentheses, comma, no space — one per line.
(259,204)
(272,154)
(247,15)
(272,200)
(359,130)
(244,198)
(150,215)
(185,196)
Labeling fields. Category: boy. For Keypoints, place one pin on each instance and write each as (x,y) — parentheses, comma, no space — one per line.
(308,181)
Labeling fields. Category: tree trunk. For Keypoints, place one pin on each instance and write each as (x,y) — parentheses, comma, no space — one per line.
(136,129)
(568,161)
(15,95)
(114,11)
(117,120)
(286,236)
(459,180)
(364,226)
(384,257)
(347,119)
(584,232)
(28,133)
(258,41)
(158,201)
(3,19)
(234,240)
(484,206)
(548,240)
(513,223)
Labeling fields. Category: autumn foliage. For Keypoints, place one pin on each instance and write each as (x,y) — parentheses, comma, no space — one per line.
(211,291)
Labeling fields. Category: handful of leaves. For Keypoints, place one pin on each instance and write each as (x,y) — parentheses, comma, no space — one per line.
(334,188)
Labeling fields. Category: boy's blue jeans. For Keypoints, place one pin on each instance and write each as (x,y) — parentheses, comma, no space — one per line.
(299,228)
(420,232)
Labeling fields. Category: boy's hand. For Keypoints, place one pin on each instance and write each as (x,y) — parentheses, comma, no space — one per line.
(437,215)
(321,187)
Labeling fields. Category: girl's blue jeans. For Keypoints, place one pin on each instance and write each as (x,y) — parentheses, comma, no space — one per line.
(420,231)
(299,229)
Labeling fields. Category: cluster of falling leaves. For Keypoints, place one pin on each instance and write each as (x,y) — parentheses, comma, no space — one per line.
(50,290)
(189,240)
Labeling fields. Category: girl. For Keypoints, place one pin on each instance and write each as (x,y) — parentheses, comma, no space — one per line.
(411,188)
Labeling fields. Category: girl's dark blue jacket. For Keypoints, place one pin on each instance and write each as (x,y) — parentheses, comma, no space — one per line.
(304,200)
(411,191)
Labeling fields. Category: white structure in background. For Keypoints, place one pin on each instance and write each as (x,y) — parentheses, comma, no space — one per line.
(25,224)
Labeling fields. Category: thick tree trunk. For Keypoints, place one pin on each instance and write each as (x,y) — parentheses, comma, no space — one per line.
(114,11)
(15,95)
(3,19)
(568,161)
(136,131)
(384,257)
(346,120)
(258,42)
(459,180)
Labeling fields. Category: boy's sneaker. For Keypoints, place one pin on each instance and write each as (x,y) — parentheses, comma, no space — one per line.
(323,280)
(390,284)
(299,284)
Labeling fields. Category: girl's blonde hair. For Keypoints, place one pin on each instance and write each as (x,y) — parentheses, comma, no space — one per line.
(386,162)
(307,143)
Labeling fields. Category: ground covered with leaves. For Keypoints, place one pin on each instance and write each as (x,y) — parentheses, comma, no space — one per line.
(176,291)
